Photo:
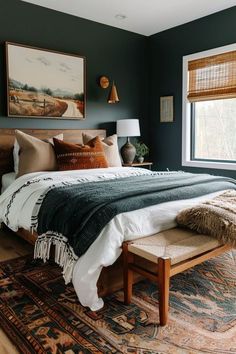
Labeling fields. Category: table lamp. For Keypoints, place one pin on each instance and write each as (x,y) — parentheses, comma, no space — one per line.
(128,128)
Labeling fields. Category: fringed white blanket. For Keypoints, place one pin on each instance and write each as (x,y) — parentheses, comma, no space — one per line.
(215,217)
(64,254)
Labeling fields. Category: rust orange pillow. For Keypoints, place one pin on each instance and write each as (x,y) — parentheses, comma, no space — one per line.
(77,156)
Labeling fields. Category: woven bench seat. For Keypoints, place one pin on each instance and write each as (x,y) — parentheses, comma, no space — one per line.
(176,244)
(173,251)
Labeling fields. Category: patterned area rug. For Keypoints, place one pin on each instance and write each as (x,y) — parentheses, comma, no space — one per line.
(42,315)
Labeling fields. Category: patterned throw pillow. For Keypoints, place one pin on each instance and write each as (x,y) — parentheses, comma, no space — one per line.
(77,156)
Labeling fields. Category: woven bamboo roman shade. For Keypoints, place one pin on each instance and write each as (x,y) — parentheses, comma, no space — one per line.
(212,78)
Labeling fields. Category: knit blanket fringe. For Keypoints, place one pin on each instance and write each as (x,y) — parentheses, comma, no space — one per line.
(215,217)
(64,254)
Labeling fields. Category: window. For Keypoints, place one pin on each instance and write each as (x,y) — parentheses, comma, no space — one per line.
(209,109)
(214,130)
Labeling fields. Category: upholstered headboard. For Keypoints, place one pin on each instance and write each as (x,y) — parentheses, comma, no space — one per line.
(7,137)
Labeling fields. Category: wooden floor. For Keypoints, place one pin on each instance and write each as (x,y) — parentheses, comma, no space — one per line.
(11,247)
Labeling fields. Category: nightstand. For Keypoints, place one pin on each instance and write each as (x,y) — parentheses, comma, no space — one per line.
(139,164)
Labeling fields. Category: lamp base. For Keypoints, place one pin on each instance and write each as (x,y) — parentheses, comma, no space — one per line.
(128,152)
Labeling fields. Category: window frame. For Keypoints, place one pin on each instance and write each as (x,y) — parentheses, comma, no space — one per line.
(187,148)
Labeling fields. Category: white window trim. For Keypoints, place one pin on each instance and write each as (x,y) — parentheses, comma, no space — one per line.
(186,114)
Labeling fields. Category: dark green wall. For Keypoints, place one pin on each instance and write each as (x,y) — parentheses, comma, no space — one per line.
(119,54)
(144,69)
(166,51)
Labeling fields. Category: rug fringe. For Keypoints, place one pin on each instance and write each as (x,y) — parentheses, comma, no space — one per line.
(64,254)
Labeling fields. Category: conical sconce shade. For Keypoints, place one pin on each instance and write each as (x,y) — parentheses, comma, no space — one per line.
(113,96)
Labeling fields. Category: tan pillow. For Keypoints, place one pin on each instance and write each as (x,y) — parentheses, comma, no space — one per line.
(16,150)
(35,154)
(110,147)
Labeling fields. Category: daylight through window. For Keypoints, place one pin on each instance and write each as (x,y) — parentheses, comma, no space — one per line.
(211,98)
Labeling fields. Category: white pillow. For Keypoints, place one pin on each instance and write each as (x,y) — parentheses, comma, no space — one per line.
(110,147)
(7,180)
(16,150)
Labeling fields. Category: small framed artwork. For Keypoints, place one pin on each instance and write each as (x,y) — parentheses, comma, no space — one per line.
(166,109)
(44,84)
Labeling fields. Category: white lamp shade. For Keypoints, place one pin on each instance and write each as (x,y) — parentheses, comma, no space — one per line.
(128,127)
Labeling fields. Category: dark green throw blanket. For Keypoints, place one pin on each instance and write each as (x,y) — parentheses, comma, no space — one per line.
(79,212)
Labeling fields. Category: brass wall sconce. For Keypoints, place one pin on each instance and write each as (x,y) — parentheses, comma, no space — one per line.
(113,96)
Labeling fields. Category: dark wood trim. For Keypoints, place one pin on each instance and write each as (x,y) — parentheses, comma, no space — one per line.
(139,164)
(191,262)
(30,237)
(163,279)
(128,274)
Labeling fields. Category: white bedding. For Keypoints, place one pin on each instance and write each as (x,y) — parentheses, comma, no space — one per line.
(7,180)
(107,247)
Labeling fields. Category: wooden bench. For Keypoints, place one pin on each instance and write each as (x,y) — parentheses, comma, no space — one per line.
(173,251)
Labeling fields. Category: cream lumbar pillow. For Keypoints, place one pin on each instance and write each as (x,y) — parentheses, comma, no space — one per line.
(110,147)
(35,155)
(50,140)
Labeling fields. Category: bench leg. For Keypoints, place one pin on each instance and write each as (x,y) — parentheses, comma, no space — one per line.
(164,265)
(128,274)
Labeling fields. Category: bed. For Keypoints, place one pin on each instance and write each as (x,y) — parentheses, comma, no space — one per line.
(106,250)
(111,278)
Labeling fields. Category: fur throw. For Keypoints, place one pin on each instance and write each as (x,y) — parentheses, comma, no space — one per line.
(215,217)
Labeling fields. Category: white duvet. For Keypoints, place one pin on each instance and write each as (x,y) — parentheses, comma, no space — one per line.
(18,202)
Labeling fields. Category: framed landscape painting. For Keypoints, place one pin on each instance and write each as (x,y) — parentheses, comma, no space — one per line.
(44,84)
